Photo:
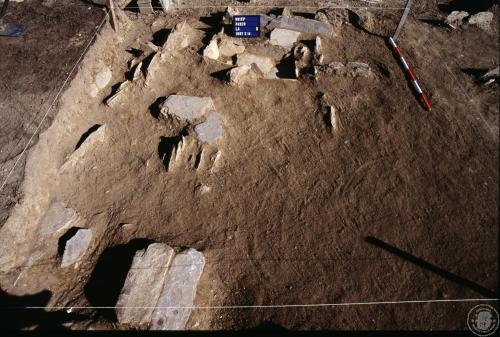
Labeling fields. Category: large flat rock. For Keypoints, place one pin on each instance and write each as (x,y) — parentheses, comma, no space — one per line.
(211,129)
(187,107)
(302,25)
(177,297)
(144,284)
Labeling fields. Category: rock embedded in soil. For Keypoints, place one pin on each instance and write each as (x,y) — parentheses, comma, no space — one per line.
(264,63)
(179,290)
(144,284)
(103,78)
(56,218)
(212,50)
(76,246)
(211,129)
(302,25)
(482,20)
(229,48)
(81,155)
(284,37)
(181,37)
(456,18)
(358,69)
(243,74)
(187,107)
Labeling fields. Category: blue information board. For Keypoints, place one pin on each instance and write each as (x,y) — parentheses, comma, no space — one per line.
(246,26)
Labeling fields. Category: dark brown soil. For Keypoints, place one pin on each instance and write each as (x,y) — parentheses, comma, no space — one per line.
(400,204)
(32,70)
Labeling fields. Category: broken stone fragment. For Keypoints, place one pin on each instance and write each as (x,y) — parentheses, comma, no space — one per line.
(284,37)
(303,60)
(491,76)
(103,78)
(482,20)
(137,73)
(228,15)
(303,25)
(145,6)
(83,153)
(211,129)
(229,48)
(456,18)
(182,36)
(287,12)
(115,98)
(179,290)
(76,246)
(165,4)
(356,69)
(318,51)
(212,50)
(243,74)
(321,17)
(187,107)
(265,64)
(144,284)
(56,218)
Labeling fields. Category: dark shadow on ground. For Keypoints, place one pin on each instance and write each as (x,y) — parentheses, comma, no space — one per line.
(109,274)
(430,267)
(16,313)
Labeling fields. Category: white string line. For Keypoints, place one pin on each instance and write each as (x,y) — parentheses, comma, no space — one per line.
(53,102)
(269,6)
(271,305)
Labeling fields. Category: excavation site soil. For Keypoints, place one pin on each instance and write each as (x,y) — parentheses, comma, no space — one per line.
(294,203)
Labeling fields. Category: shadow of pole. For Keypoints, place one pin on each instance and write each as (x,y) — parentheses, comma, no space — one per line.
(430,267)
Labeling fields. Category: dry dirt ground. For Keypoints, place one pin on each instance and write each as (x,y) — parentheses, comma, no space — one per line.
(285,210)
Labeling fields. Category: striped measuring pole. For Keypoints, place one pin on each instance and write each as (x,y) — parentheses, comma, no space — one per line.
(410,73)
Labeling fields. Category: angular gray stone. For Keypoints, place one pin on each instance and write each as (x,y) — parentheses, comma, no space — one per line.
(482,20)
(76,247)
(144,284)
(56,218)
(284,37)
(456,18)
(181,37)
(187,107)
(299,24)
(211,129)
(176,300)
(212,50)
(165,4)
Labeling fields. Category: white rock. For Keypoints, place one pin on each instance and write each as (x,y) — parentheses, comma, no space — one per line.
(243,74)
(165,4)
(76,247)
(212,50)
(284,37)
(187,107)
(56,218)
(181,37)
(103,78)
(173,307)
(456,18)
(211,129)
(229,48)
(482,20)
(118,94)
(264,63)
(144,284)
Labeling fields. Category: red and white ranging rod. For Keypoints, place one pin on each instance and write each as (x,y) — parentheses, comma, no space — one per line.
(410,73)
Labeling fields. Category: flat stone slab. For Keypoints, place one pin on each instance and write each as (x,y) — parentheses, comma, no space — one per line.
(211,129)
(76,247)
(284,37)
(303,25)
(182,36)
(187,107)
(144,284)
(174,305)
(264,63)
(56,218)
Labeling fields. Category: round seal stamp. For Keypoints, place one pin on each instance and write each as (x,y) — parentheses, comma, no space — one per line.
(483,320)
